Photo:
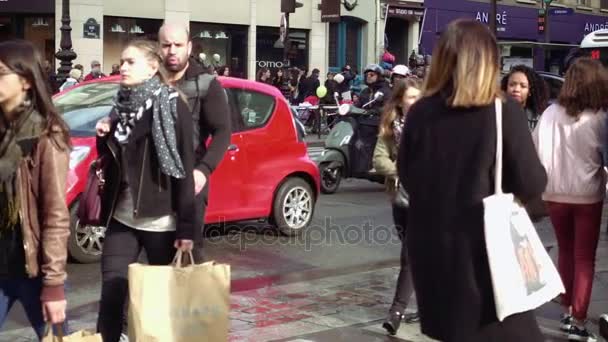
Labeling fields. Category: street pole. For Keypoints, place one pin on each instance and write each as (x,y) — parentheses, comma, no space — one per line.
(65,54)
(547,4)
(493,11)
(286,44)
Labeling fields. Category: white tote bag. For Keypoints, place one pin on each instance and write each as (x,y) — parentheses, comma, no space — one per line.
(523,275)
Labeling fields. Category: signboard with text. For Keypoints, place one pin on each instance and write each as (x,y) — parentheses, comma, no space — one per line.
(330,11)
(27,6)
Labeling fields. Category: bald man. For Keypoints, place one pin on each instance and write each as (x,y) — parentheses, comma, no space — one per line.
(210,112)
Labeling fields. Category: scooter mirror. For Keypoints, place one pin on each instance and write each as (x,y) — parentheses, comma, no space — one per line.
(344,109)
(378,96)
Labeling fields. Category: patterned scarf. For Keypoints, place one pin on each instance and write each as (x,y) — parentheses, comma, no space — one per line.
(131,103)
(17,140)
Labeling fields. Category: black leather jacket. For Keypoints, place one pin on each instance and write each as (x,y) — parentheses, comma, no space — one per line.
(210,115)
(376,108)
(154,193)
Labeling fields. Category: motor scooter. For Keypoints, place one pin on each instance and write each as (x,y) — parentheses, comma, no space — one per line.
(335,162)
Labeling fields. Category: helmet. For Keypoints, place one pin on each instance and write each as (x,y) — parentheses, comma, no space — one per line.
(339,78)
(374,68)
(401,70)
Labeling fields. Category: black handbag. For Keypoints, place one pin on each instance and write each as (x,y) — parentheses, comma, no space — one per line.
(400,197)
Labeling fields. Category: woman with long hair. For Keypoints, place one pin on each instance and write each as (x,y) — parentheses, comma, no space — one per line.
(570,137)
(405,93)
(529,89)
(34,218)
(264,76)
(224,71)
(446,164)
(148,159)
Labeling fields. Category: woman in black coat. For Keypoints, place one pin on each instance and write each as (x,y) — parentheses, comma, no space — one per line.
(446,162)
(148,197)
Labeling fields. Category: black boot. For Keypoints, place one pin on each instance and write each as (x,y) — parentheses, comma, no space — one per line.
(393,321)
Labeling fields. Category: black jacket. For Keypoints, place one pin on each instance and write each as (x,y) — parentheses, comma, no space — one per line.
(446,162)
(375,109)
(210,115)
(349,76)
(154,193)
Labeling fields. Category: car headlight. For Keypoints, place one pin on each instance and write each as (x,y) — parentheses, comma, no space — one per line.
(78,154)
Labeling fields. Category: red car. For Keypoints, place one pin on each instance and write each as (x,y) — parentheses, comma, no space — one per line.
(265,174)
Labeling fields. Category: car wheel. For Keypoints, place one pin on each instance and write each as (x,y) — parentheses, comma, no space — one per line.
(293,206)
(330,178)
(86,242)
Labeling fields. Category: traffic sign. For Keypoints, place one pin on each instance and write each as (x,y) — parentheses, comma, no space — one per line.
(561,11)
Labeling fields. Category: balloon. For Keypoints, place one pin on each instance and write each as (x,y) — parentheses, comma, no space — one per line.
(321,92)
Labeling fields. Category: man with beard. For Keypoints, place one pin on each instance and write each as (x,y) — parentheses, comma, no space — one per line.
(210,112)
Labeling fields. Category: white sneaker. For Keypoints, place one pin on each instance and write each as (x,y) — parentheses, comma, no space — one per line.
(604,326)
(123,338)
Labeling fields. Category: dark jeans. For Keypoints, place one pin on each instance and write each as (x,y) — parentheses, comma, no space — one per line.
(122,247)
(200,209)
(27,292)
(405,287)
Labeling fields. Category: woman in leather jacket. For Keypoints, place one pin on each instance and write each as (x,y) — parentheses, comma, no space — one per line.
(34,217)
(148,159)
(405,93)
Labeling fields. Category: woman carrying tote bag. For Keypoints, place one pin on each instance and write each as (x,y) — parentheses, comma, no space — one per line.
(446,161)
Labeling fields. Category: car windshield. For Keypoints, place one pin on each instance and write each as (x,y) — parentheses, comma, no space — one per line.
(82,107)
(82,121)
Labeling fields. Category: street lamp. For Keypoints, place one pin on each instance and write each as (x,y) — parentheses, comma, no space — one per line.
(65,54)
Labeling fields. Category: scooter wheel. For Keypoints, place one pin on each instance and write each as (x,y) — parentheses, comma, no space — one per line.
(330,178)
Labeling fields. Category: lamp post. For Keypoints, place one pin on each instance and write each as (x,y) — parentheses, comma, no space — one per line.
(65,54)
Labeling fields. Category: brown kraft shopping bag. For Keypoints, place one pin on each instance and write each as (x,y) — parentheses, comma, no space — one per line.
(179,304)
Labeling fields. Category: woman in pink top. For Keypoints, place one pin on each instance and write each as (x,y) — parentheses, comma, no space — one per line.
(570,138)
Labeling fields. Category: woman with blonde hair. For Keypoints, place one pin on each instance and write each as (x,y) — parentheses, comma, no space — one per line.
(446,162)
(570,138)
(148,197)
(405,93)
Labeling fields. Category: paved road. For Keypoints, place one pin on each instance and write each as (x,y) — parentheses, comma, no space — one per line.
(333,284)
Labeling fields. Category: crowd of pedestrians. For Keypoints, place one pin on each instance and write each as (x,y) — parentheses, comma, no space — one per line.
(157,167)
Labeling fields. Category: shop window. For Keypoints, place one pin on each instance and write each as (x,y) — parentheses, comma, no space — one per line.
(333,45)
(270,49)
(345,44)
(223,45)
(118,31)
(254,108)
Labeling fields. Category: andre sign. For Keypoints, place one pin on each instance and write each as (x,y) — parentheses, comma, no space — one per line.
(501,19)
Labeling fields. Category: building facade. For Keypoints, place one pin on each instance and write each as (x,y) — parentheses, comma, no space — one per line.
(32,20)
(517,27)
(242,34)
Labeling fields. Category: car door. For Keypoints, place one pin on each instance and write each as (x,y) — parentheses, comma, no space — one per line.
(225,199)
(261,144)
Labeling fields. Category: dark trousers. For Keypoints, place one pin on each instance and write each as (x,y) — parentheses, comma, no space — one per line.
(200,209)
(405,287)
(27,292)
(577,229)
(122,247)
